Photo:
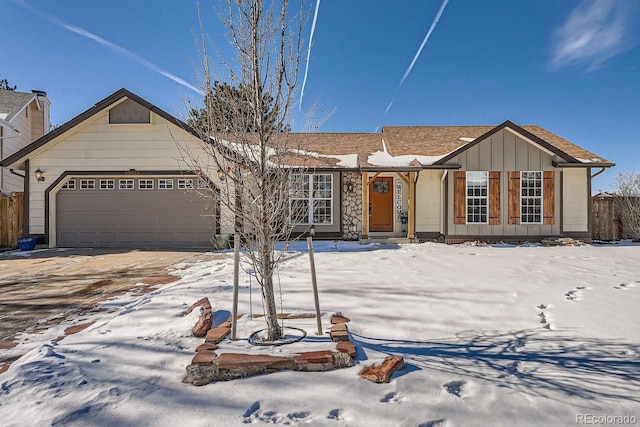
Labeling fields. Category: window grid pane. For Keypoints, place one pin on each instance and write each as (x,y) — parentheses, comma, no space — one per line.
(184,184)
(531,197)
(165,184)
(87,184)
(145,184)
(310,199)
(477,197)
(107,184)
(125,184)
(69,185)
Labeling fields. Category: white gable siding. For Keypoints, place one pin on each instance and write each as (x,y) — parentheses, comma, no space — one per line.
(575,200)
(97,146)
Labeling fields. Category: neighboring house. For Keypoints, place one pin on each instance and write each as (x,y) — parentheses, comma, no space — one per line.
(24,117)
(113,176)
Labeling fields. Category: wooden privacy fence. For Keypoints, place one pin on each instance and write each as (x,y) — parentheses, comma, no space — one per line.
(10,219)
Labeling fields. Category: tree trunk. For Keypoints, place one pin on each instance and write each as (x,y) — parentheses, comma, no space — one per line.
(269,298)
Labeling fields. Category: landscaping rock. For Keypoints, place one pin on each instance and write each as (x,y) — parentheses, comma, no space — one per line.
(325,356)
(207,346)
(339,318)
(237,365)
(339,332)
(204,357)
(342,360)
(206,319)
(216,335)
(346,347)
(381,373)
(201,374)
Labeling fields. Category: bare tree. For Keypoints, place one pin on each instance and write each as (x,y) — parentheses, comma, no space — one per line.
(244,126)
(628,202)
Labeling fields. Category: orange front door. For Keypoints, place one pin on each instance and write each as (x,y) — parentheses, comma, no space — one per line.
(381,204)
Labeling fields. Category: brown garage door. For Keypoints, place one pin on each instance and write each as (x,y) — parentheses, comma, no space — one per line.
(133,212)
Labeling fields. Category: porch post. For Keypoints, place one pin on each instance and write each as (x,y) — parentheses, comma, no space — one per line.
(411,233)
(365,205)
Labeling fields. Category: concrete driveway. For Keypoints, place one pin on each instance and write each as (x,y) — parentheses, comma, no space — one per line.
(57,283)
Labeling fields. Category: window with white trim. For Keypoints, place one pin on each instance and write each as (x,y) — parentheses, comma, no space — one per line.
(69,185)
(203,184)
(531,197)
(87,184)
(165,184)
(311,199)
(185,184)
(126,184)
(145,184)
(477,197)
(107,184)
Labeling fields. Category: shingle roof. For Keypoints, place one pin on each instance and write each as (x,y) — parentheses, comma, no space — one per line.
(11,103)
(404,147)
(417,146)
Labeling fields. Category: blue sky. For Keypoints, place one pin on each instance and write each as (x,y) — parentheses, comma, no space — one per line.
(572,67)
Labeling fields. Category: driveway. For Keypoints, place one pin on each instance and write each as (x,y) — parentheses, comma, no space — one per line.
(52,284)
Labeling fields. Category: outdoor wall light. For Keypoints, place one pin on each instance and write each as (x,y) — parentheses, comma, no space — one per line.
(39,175)
(350,187)
(221,175)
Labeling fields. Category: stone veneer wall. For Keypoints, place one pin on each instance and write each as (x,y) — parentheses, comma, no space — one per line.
(351,206)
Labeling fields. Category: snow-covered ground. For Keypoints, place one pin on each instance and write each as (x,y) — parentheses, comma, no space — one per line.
(491,335)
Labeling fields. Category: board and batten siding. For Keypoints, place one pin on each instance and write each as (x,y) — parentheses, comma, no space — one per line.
(575,201)
(504,152)
(429,198)
(96,146)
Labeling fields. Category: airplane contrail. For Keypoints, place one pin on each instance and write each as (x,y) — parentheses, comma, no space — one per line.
(111,46)
(417,55)
(306,70)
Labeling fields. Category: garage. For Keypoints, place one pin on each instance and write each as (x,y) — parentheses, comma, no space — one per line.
(140,212)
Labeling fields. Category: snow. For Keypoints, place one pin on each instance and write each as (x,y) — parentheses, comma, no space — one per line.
(591,160)
(467,319)
(384,158)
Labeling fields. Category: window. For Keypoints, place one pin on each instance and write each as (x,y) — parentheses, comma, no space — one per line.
(165,184)
(145,184)
(184,184)
(107,184)
(69,185)
(477,200)
(203,184)
(531,197)
(125,184)
(87,184)
(311,199)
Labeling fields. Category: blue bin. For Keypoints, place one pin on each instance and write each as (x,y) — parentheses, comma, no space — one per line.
(27,243)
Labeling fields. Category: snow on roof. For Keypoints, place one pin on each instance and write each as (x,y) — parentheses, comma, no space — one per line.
(384,158)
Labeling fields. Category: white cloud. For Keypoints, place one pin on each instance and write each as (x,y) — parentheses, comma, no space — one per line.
(595,31)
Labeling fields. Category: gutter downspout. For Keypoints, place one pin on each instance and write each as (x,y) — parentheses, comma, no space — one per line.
(16,173)
(413,205)
(598,173)
(442,201)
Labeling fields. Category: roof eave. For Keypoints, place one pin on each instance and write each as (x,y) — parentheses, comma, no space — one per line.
(583,164)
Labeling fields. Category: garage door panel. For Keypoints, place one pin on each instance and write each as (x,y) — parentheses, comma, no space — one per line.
(133,218)
(107,238)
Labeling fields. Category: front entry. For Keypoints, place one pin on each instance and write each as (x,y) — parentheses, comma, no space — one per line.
(381,204)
